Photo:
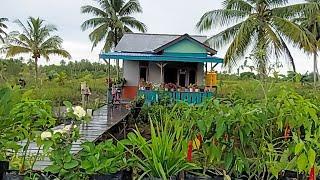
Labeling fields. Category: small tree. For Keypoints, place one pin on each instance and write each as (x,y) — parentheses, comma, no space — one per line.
(37,40)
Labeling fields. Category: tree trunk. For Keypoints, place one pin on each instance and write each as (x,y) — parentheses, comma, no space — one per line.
(36,68)
(315,72)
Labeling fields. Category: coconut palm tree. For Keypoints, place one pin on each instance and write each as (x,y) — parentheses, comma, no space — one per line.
(2,27)
(261,26)
(37,40)
(112,18)
(310,22)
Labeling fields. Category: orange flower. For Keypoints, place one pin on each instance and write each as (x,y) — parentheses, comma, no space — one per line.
(189,155)
(312,176)
(287,133)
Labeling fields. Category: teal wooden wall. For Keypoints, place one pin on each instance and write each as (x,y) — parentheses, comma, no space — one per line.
(185,46)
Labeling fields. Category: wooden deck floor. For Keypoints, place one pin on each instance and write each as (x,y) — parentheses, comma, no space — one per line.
(103,119)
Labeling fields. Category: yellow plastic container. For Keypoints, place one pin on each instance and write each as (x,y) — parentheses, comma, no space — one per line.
(211,79)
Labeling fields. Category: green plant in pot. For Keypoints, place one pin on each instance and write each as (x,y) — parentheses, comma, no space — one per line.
(164,155)
(58,144)
(104,160)
(29,118)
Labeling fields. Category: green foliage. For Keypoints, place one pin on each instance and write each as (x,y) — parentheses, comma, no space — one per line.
(247,75)
(164,155)
(104,158)
(8,100)
(64,164)
(28,118)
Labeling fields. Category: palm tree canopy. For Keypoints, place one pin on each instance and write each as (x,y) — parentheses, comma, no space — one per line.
(2,27)
(111,20)
(262,26)
(36,39)
(310,21)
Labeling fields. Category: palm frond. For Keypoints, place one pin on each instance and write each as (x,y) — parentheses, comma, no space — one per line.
(91,23)
(98,35)
(109,42)
(223,38)
(13,50)
(293,33)
(241,42)
(132,6)
(223,17)
(294,11)
(52,42)
(57,52)
(288,54)
(239,5)
(93,10)
(134,23)
(276,3)
(23,27)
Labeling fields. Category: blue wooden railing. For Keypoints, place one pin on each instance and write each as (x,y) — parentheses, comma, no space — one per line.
(152,96)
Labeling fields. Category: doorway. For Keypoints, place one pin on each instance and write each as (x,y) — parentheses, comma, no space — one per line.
(182,77)
(192,76)
(170,75)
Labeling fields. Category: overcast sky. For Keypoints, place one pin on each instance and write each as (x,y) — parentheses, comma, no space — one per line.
(161,16)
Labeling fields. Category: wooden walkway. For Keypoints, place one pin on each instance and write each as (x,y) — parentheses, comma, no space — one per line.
(103,119)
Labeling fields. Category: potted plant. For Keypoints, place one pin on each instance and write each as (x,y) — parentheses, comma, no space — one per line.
(164,155)
(142,85)
(166,87)
(191,88)
(148,85)
(172,87)
(58,144)
(104,160)
(30,117)
(196,88)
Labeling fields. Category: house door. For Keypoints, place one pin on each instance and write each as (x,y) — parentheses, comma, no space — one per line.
(192,76)
(182,77)
(170,75)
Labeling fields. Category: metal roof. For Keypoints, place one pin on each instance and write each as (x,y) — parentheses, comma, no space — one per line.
(138,42)
(156,57)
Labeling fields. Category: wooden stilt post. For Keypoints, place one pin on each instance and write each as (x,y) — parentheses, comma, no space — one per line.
(109,79)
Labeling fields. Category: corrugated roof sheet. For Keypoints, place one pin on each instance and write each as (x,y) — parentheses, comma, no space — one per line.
(137,42)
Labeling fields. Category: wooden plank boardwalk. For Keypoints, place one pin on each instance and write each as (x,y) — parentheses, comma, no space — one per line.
(102,120)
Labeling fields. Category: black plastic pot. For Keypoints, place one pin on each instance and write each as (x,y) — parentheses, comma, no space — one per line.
(155,178)
(4,167)
(14,175)
(291,175)
(116,176)
(196,176)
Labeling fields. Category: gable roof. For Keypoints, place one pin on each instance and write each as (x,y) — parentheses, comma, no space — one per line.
(148,43)
(188,37)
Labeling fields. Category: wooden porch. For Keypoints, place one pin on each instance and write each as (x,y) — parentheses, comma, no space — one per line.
(103,119)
